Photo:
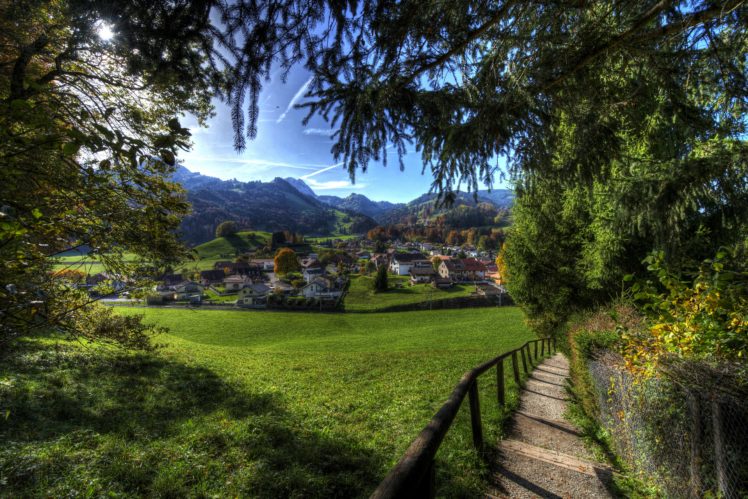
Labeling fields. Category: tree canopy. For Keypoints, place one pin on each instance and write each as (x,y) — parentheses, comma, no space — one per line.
(227,228)
(468,81)
(88,137)
(286,261)
(641,101)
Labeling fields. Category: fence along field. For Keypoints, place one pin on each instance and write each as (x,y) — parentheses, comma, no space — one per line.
(253,403)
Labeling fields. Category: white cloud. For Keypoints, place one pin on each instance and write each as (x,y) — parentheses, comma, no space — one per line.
(326,132)
(260,163)
(296,97)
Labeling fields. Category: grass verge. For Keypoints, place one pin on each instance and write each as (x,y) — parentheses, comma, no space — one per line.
(257,404)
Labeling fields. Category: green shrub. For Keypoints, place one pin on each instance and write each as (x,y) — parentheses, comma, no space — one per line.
(701,317)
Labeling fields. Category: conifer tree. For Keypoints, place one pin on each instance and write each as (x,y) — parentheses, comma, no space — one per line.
(381,283)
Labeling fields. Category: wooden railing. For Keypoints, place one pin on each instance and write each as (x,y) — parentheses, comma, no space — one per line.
(414,476)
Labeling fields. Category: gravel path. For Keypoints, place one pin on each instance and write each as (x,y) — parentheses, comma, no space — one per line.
(543,455)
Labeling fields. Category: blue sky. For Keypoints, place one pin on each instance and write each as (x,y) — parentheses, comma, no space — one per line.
(286,148)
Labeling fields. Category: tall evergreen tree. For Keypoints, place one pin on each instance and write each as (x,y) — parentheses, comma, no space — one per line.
(381,283)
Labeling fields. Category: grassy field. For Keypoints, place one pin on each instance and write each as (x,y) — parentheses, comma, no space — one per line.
(362,298)
(257,404)
(84,263)
(226,248)
(215,297)
(321,239)
(222,248)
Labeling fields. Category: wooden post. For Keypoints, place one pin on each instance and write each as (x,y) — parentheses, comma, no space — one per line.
(694,408)
(500,383)
(555,347)
(524,362)
(536,351)
(427,487)
(528,354)
(475,416)
(720,457)
(515,367)
(542,347)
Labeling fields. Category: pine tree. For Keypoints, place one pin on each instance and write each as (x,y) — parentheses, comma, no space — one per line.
(381,280)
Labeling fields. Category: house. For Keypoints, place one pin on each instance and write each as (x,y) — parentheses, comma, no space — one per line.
(321,288)
(214,276)
(253,296)
(401,263)
(452,270)
(266,264)
(466,269)
(241,268)
(188,289)
(281,287)
(171,279)
(236,282)
(164,293)
(307,262)
(109,283)
(474,269)
(421,275)
(224,265)
(427,246)
(310,273)
(344,259)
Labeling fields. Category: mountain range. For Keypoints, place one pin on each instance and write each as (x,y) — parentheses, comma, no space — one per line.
(290,204)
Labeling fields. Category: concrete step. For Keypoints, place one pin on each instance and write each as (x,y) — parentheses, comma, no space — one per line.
(523,474)
(553,435)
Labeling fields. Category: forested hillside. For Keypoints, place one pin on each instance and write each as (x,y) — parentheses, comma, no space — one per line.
(270,206)
(290,204)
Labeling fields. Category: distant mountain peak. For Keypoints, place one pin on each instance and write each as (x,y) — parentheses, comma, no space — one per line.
(281,204)
(301,186)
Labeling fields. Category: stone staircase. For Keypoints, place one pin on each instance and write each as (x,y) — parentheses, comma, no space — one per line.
(544,455)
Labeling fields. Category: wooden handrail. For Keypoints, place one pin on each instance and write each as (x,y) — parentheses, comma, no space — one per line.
(413,475)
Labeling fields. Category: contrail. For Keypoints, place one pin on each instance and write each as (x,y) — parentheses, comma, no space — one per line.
(298,95)
(322,170)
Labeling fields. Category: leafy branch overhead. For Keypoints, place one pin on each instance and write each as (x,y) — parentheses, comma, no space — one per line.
(468,82)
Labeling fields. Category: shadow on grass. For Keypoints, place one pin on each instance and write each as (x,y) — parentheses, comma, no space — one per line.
(114,423)
(240,244)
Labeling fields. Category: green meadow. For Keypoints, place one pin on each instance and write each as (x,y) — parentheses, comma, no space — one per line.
(226,248)
(361,296)
(205,255)
(257,404)
(89,265)
(338,237)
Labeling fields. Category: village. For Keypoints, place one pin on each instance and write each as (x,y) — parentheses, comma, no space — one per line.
(320,277)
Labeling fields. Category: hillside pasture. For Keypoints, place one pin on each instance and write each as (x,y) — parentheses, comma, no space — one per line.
(226,248)
(248,404)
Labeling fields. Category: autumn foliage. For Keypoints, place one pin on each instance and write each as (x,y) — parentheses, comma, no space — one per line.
(286,261)
(699,318)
